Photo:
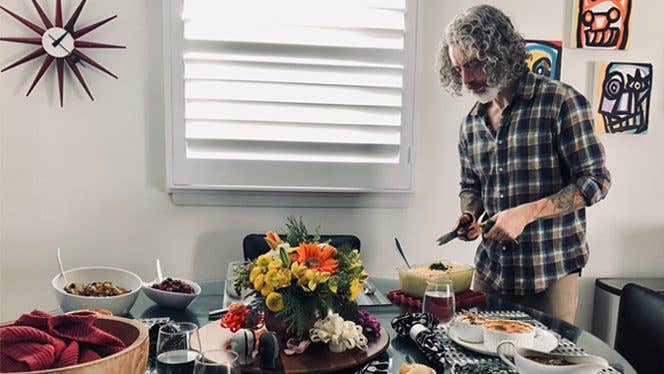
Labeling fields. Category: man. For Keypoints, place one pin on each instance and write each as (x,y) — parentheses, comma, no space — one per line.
(529,159)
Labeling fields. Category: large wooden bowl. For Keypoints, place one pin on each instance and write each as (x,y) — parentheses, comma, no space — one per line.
(131,360)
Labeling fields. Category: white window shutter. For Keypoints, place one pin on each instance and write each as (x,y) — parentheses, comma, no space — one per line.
(305,95)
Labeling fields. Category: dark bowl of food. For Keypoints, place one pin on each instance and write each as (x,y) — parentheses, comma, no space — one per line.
(97,287)
(176,293)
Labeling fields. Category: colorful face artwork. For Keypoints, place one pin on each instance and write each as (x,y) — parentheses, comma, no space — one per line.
(622,92)
(544,57)
(602,24)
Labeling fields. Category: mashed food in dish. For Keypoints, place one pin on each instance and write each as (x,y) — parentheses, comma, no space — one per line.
(95,289)
(471,318)
(414,280)
(509,327)
(522,334)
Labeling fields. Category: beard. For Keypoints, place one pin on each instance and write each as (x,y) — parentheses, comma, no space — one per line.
(488,94)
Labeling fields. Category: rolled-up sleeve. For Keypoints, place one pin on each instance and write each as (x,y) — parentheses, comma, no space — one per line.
(580,149)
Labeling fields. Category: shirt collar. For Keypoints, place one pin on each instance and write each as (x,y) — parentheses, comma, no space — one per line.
(525,90)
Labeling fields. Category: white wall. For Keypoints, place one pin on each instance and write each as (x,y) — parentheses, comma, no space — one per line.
(89,178)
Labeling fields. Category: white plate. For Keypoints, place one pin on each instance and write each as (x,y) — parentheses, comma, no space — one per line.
(544,342)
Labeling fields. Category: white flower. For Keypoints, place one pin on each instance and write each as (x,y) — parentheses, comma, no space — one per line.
(341,335)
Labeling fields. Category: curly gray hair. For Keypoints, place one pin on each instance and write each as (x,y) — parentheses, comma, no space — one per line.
(485,33)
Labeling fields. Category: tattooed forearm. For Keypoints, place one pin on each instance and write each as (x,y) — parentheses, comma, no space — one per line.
(564,201)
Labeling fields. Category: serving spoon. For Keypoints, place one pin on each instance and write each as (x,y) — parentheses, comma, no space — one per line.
(62,270)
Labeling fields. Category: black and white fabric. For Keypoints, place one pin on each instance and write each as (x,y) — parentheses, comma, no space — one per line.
(381,365)
(436,345)
(403,323)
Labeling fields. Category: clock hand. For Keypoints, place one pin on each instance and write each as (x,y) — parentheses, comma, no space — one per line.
(56,42)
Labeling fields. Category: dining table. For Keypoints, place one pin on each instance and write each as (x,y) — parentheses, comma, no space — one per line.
(401,349)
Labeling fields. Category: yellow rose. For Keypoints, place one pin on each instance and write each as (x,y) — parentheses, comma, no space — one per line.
(266,290)
(258,282)
(275,264)
(254,273)
(274,302)
(264,260)
(355,288)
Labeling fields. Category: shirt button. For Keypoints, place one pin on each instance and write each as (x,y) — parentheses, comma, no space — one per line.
(500,142)
(504,248)
(500,169)
(502,196)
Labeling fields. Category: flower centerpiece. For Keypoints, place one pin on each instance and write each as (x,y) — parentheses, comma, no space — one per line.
(302,280)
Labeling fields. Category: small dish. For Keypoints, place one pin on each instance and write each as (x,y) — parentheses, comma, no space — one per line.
(168,299)
(469,327)
(118,305)
(526,361)
(544,341)
(496,331)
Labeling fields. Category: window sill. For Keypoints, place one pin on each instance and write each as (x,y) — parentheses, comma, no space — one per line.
(386,200)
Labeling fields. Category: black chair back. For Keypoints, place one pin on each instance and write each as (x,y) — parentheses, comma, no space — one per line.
(640,331)
(254,245)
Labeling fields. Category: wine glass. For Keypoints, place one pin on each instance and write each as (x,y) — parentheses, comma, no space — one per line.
(175,354)
(439,299)
(217,361)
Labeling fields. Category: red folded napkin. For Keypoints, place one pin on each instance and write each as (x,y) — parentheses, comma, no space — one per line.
(40,341)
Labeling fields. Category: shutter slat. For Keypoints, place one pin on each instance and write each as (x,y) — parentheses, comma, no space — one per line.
(292,93)
(298,152)
(344,13)
(276,34)
(267,72)
(291,132)
(315,57)
(292,113)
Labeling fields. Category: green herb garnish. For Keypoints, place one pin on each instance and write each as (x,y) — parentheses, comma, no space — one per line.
(438,266)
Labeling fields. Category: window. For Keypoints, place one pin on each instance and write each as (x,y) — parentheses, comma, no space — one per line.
(290,95)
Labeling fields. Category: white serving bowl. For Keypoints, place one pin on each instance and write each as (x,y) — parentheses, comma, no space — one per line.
(492,337)
(118,305)
(167,299)
(467,331)
(522,363)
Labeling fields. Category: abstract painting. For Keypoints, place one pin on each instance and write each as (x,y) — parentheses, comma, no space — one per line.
(601,24)
(622,92)
(544,57)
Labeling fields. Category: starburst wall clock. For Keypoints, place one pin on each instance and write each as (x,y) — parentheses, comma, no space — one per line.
(60,42)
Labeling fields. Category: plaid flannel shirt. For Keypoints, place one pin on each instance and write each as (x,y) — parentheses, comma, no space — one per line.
(546,141)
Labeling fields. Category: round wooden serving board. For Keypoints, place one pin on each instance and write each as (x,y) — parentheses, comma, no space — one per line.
(316,359)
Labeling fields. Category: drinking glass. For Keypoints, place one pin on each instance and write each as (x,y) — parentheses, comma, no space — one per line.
(217,361)
(175,354)
(439,299)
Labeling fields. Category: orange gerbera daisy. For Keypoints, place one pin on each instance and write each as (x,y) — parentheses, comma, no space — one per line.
(316,258)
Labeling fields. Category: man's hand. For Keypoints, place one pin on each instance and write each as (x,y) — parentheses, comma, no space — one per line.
(509,224)
(472,231)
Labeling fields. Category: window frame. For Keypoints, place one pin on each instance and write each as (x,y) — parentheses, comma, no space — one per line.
(181,176)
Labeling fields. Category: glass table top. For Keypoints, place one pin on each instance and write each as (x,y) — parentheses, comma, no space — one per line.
(401,349)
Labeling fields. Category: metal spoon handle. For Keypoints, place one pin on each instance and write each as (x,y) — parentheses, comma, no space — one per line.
(62,270)
(396,241)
